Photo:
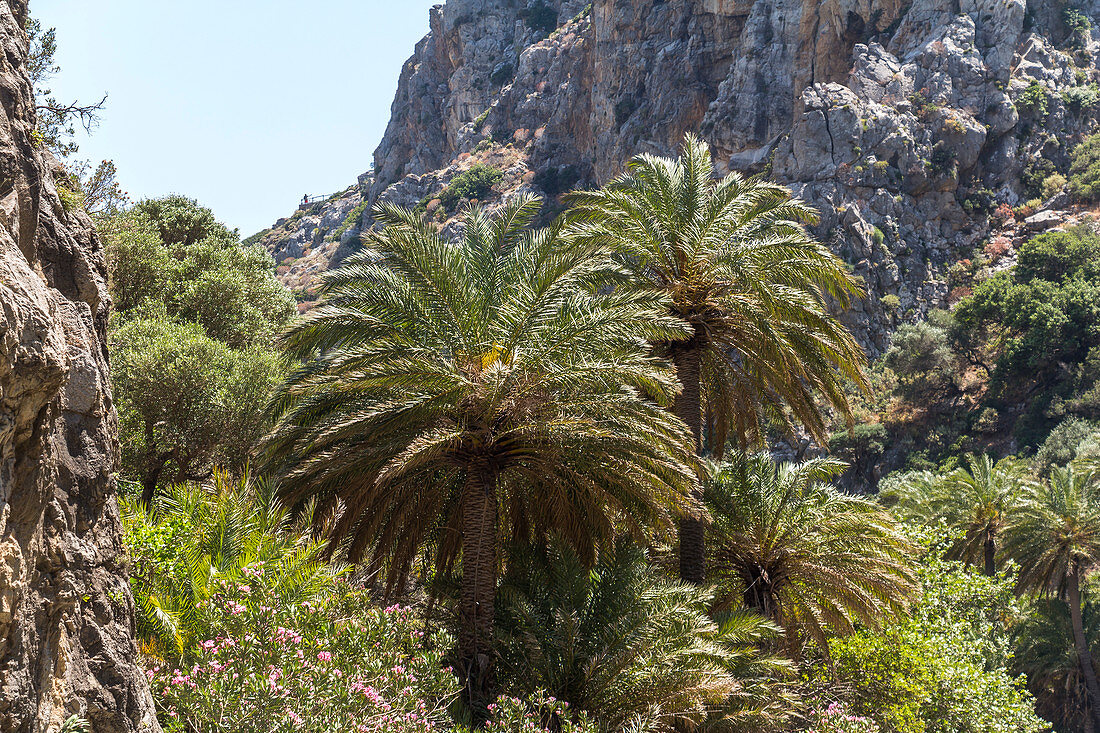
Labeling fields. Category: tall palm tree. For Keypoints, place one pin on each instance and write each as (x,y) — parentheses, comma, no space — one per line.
(1056,540)
(458,392)
(736,263)
(623,643)
(976,502)
(815,561)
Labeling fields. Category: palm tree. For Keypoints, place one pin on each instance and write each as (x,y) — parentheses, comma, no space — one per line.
(623,643)
(197,536)
(815,561)
(1056,540)
(976,502)
(735,261)
(458,392)
(1047,655)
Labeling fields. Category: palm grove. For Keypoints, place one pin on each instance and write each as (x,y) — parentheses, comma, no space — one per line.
(524,432)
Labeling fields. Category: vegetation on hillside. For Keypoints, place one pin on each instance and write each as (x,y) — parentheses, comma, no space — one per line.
(487,430)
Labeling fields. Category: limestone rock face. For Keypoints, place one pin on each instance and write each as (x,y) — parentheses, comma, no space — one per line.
(905,122)
(66,612)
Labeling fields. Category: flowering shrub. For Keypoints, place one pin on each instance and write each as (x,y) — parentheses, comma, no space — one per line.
(837,719)
(540,714)
(338,664)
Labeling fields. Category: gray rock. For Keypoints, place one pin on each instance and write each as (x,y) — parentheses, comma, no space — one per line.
(66,612)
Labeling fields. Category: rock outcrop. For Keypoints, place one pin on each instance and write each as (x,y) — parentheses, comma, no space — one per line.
(66,612)
(906,122)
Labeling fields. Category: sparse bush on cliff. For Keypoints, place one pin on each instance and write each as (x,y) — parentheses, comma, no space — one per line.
(1084,170)
(470,185)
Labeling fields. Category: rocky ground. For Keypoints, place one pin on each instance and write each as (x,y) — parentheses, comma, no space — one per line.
(906,122)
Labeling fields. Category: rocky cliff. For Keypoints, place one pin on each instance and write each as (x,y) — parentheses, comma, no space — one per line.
(906,122)
(66,613)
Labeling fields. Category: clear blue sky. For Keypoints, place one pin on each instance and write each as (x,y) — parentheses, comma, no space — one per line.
(242,104)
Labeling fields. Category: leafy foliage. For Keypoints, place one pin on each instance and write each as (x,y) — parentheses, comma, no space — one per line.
(1038,325)
(1084,170)
(187,402)
(736,263)
(200,541)
(625,644)
(815,561)
(976,504)
(337,663)
(943,670)
(455,393)
(470,185)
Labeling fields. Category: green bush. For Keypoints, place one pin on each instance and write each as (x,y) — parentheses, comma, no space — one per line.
(1081,98)
(922,357)
(351,220)
(337,663)
(946,668)
(1034,99)
(1064,443)
(1053,185)
(1084,170)
(475,183)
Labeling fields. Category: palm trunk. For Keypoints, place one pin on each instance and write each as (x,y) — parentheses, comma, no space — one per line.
(991,555)
(152,477)
(688,407)
(1084,655)
(478,591)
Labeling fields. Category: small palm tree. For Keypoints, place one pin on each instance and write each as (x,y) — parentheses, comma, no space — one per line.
(623,643)
(458,392)
(198,536)
(976,502)
(789,545)
(1056,540)
(736,263)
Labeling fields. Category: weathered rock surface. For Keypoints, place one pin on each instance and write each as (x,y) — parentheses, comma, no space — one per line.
(66,612)
(906,122)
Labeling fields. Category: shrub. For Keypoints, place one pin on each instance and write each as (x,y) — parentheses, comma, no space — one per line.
(71,200)
(1003,212)
(1053,185)
(996,248)
(335,664)
(836,719)
(922,358)
(1063,443)
(351,220)
(891,303)
(1034,99)
(942,160)
(946,668)
(474,183)
(1082,98)
(554,180)
(1084,170)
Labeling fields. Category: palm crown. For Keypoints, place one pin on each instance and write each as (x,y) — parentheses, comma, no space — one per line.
(459,391)
(815,561)
(976,502)
(735,260)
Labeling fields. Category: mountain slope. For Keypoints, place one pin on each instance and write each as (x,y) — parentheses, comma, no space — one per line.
(905,123)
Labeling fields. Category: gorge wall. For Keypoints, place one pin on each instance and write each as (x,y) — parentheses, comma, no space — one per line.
(905,122)
(66,612)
